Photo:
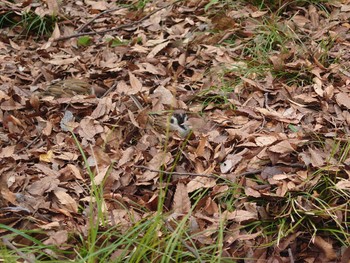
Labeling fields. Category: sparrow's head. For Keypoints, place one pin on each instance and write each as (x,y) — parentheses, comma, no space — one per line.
(178,122)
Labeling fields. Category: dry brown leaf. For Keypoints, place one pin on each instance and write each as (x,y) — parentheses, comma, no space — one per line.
(265,140)
(282,188)
(157,49)
(329,92)
(47,157)
(136,85)
(230,163)
(7,151)
(98,5)
(258,13)
(280,117)
(103,172)
(89,128)
(282,147)
(57,238)
(343,184)
(104,106)
(343,99)
(326,247)
(133,119)
(182,203)
(67,156)
(211,207)
(251,192)
(159,159)
(240,215)
(44,185)
(277,61)
(201,146)
(299,20)
(53,6)
(155,163)
(72,170)
(318,86)
(314,16)
(164,96)
(200,182)
(48,129)
(66,200)
(316,158)
(50,226)
(63,61)
(126,156)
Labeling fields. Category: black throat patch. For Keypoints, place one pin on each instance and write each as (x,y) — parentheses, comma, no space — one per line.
(181,119)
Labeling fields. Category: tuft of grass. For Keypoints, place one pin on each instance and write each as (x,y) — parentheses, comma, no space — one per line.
(31,245)
(159,236)
(97,208)
(218,96)
(319,209)
(29,23)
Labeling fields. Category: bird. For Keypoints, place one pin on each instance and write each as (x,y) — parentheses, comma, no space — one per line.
(70,87)
(166,121)
(67,88)
(171,121)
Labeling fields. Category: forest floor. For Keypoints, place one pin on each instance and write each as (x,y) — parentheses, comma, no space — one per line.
(263,176)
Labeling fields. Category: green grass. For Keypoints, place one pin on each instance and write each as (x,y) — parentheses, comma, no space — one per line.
(26,242)
(155,237)
(29,23)
(314,209)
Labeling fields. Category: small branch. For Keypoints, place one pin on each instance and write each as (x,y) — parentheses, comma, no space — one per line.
(97,16)
(20,253)
(211,175)
(115,84)
(290,253)
(176,173)
(114,28)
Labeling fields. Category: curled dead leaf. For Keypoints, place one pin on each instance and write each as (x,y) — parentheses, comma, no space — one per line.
(66,200)
(182,203)
(241,215)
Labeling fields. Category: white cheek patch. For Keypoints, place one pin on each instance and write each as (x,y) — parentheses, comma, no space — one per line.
(178,122)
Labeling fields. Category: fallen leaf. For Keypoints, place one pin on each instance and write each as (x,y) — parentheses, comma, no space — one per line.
(182,203)
(66,200)
(57,238)
(326,247)
(240,216)
(343,99)
(46,157)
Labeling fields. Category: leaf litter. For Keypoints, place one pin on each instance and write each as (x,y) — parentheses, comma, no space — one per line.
(266,138)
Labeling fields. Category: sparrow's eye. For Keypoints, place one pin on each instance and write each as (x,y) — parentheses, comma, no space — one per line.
(172,121)
(179,118)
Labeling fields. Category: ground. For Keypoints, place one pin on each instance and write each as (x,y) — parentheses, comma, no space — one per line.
(88,175)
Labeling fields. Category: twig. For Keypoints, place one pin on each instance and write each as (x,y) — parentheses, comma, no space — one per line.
(20,253)
(35,81)
(136,101)
(176,173)
(211,175)
(36,139)
(291,258)
(115,84)
(97,16)
(115,28)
